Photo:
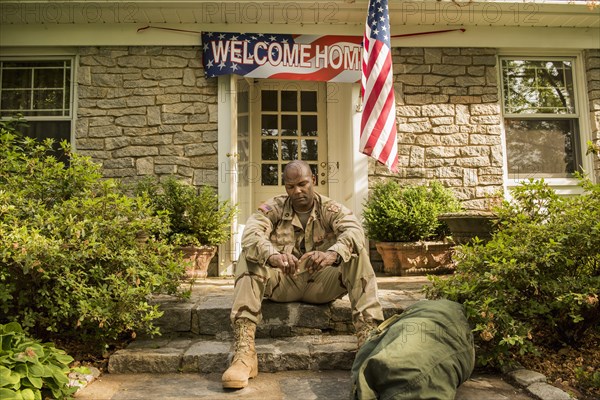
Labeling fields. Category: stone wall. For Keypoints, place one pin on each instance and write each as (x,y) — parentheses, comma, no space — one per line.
(449,121)
(592,67)
(147,111)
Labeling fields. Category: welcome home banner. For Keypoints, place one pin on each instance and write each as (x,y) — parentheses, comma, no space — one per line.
(328,58)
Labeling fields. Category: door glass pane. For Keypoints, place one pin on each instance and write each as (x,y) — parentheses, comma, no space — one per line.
(309,125)
(289,100)
(315,170)
(269,100)
(269,125)
(309,101)
(289,150)
(289,125)
(269,149)
(269,176)
(309,149)
(541,148)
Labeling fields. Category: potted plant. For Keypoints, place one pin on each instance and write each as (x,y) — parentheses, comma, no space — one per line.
(404,223)
(198,221)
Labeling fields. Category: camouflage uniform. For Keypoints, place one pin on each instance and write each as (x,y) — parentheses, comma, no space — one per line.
(275,228)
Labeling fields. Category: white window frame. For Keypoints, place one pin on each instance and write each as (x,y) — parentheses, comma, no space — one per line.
(562,186)
(23,55)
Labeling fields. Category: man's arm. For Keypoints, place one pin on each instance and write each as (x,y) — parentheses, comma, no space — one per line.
(256,238)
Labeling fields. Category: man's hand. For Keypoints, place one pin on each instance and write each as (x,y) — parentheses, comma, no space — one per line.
(287,263)
(317,260)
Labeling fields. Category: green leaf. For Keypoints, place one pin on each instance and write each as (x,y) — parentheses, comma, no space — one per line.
(27,394)
(35,381)
(7,394)
(8,378)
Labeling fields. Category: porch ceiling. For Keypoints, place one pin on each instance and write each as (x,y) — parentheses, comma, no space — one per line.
(502,13)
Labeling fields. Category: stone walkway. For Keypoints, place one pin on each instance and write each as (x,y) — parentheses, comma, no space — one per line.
(289,385)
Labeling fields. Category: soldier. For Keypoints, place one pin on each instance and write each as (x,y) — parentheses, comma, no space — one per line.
(299,247)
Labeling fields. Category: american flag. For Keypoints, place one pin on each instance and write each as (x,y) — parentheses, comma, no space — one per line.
(378,123)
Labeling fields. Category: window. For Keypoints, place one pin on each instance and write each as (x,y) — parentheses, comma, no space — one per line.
(41,91)
(541,118)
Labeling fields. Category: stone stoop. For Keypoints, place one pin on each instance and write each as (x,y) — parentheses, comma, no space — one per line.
(197,337)
(309,352)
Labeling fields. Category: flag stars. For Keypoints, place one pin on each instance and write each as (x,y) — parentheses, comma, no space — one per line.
(222,65)
(221,36)
(209,64)
(234,67)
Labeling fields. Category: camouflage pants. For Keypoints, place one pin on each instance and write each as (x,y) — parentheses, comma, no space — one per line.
(355,277)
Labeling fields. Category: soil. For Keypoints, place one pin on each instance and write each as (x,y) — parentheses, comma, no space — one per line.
(563,367)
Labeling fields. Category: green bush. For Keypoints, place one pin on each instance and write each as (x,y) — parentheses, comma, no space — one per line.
(31,370)
(537,280)
(407,214)
(70,264)
(196,217)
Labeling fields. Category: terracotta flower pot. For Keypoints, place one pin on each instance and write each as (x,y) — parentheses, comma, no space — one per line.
(415,258)
(197,260)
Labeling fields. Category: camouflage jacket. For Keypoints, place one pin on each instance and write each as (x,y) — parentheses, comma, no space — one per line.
(275,228)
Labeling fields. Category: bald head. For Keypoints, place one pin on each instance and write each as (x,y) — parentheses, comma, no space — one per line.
(295,169)
(298,180)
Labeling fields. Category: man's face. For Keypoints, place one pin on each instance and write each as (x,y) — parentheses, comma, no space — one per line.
(299,186)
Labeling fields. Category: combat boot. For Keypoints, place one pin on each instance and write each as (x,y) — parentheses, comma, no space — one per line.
(364,330)
(245,362)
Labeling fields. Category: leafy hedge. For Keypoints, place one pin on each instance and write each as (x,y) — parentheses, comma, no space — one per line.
(70,264)
(537,280)
(394,213)
(30,369)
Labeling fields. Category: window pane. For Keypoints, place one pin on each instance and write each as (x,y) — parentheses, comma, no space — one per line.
(269,149)
(269,175)
(48,100)
(16,78)
(57,130)
(49,78)
(289,100)
(43,88)
(289,125)
(15,100)
(532,87)
(269,100)
(309,150)
(309,125)
(269,125)
(289,150)
(541,148)
(309,101)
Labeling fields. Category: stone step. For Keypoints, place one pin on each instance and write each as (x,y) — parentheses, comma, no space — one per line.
(184,354)
(208,314)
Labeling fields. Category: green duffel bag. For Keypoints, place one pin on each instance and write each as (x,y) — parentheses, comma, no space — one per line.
(424,353)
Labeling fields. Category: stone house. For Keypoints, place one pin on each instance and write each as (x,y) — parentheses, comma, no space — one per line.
(515,95)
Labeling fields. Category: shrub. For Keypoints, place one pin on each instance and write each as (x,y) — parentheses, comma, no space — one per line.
(30,369)
(407,214)
(537,280)
(196,217)
(70,264)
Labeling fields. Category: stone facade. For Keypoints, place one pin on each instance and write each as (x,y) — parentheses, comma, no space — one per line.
(592,66)
(147,111)
(449,121)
